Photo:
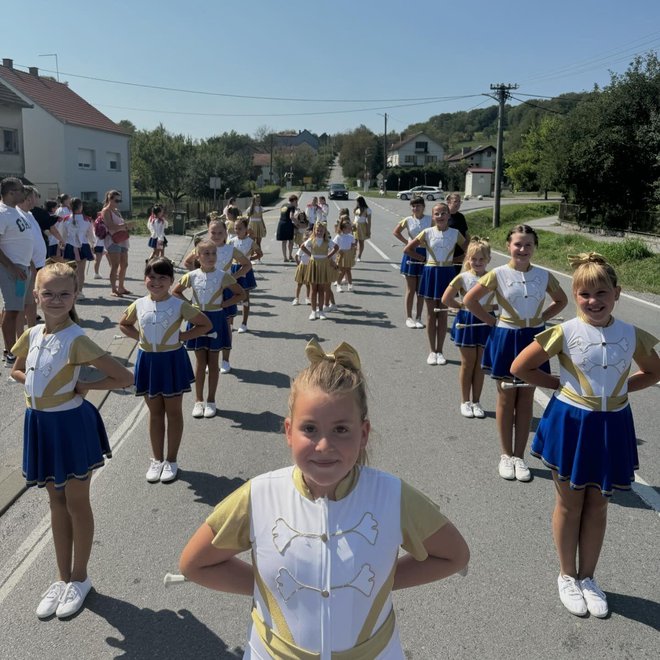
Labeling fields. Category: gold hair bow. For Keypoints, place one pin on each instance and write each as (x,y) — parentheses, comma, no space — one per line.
(344,354)
(576,260)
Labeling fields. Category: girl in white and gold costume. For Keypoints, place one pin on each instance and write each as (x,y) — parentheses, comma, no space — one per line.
(587,436)
(324,534)
(321,270)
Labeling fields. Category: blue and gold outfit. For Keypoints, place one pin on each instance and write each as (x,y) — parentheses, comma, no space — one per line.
(64,436)
(520,297)
(413,225)
(476,333)
(208,295)
(438,270)
(162,367)
(244,246)
(587,433)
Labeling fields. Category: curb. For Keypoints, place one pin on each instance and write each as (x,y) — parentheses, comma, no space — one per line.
(12,482)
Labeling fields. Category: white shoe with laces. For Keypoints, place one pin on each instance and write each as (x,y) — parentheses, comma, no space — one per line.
(521,470)
(321,315)
(440,359)
(505,468)
(242,328)
(466,409)
(431,359)
(418,324)
(571,595)
(225,367)
(349,287)
(210,410)
(154,471)
(410,323)
(477,410)
(312,316)
(594,597)
(308,301)
(170,469)
(73,598)
(198,409)
(295,301)
(50,599)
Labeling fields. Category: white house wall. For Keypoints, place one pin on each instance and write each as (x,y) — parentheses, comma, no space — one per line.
(12,164)
(101,178)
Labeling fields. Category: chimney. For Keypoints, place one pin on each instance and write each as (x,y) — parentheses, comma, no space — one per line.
(7,62)
(34,71)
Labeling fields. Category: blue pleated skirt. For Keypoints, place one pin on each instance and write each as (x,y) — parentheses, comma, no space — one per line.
(248,281)
(469,337)
(153,243)
(163,374)
(85,252)
(586,447)
(58,446)
(220,326)
(410,267)
(503,346)
(434,281)
(232,310)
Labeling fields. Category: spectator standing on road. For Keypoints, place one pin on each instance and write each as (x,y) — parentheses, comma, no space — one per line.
(116,242)
(64,438)
(162,367)
(286,227)
(587,436)
(361,223)
(313,211)
(16,248)
(325,209)
(439,241)
(457,221)
(410,268)
(46,218)
(312,526)
(520,291)
(256,224)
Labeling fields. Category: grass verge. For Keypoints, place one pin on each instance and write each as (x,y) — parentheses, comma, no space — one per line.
(636,266)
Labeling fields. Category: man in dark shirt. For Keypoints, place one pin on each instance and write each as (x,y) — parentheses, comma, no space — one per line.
(457,221)
(46,219)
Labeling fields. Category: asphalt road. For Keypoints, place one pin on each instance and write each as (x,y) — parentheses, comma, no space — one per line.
(507,605)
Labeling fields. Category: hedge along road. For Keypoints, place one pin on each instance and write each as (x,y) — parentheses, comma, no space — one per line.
(418,435)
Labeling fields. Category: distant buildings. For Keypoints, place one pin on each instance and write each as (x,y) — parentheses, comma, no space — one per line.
(418,150)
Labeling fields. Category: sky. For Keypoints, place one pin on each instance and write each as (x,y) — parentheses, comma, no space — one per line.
(338,63)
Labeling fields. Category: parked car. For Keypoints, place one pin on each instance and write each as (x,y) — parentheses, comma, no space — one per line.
(427,192)
(337,191)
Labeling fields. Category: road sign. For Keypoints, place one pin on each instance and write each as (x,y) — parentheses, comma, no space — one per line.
(215,182)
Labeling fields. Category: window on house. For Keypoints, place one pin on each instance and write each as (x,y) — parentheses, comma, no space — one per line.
(114,161)
(89,196)
(431,159)
(86,159)
(9,140)
(422,146)
(409,158)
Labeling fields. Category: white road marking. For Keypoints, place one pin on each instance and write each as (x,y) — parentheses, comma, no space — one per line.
(28,552)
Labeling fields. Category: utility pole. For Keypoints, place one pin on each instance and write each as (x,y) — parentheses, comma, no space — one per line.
(385,156)
(502,91)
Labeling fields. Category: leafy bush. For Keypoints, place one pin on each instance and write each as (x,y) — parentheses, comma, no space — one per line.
(269,195)
(627,250)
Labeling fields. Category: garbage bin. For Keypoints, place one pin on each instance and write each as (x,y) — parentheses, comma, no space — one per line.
(180,218)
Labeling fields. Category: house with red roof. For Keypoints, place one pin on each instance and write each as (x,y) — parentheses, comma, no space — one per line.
(418,150)
(69,146)
(12,153)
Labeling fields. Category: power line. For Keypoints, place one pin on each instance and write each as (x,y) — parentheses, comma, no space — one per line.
(540,107)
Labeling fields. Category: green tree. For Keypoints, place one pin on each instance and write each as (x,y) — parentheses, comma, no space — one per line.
(359,151)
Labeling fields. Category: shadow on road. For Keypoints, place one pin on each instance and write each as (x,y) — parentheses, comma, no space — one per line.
(273,378)
(268,422)
(646,612)
(157,633)
(209,488)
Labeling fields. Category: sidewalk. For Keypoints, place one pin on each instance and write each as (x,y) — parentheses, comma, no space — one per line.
(552,223)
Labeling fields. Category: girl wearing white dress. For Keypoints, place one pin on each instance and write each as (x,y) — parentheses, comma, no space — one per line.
(361,223)
(256,224)
(78,234)
(320,272)
(346,255)
(250,250)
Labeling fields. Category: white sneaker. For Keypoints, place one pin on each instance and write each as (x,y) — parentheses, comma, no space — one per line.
(312,316)
(521,469)
(73,598)
(209,410)
(321,316)
(242,328)
(466,409)
(595,598)
(418,324)
(349,287)
(225,367)
(330,308)
(506,469)
(50,599)
(477,410)
(154,471)
(308,301)
(410,323)
(169,472)
(358,259)
(97,276)
(432,358)
(295,301)
(198,409)
(571,596)
(440,358)
(339,289)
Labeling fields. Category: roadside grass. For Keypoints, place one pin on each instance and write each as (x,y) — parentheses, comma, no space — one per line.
(637,267)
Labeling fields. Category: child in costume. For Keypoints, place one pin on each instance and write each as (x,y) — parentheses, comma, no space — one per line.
(324,534)
(587,436)
(250,250)
(320,271)
(162,368)
(256,224)
(346,255)
(208,284)
(439,241)
(361,223)
(78,234)
(157,226)
(300,277)
(64,438)
(520,290)
(468,332)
